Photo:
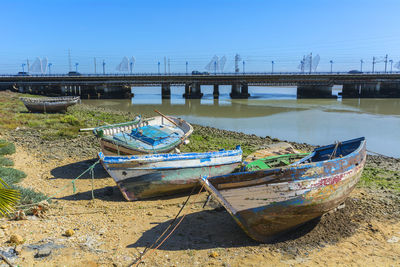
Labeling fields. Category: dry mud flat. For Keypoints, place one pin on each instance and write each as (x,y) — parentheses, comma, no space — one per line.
(110,231)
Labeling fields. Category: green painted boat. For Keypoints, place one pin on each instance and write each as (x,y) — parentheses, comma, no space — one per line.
(274,161)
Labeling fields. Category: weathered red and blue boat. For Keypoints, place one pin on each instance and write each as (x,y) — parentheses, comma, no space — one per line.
(267,203)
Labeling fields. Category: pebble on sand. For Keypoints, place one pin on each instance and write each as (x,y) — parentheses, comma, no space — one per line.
(16,239)
(214,254)
(69,232)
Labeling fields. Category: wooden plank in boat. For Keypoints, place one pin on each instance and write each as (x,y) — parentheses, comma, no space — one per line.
(280,148)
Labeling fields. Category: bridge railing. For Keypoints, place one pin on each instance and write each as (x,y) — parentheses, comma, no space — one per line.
(197,75)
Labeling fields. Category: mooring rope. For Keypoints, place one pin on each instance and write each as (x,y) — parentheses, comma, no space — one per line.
(171,223)
(379,154)
(90,169)
(139,259)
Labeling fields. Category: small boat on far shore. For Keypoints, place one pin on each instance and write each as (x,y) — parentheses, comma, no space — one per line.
(152,175)
(160,134)
(49,104)
(267,203)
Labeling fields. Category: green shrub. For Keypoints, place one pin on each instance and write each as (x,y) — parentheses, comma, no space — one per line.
(6,148)
(71,120)
(6,162)
(29,196)
(11,176)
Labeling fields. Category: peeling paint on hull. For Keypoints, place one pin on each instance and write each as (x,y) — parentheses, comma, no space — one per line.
(268,203)
(147,176)
(179,180)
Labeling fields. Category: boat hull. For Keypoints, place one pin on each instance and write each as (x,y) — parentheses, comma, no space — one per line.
(49,105)
(147,176)
(266,204)
(168,182)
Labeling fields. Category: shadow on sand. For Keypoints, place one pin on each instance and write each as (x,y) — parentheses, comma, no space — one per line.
(109,193)
(112,193)
(210,229)
(73,170)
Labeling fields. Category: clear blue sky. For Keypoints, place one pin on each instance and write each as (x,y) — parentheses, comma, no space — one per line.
(260,31)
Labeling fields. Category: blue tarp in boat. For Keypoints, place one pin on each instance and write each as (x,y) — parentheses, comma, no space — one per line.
(151,135)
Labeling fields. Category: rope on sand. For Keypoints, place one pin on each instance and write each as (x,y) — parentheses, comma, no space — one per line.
(90,170)
(139,259)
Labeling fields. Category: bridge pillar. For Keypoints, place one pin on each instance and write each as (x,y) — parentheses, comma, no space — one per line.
(216,91)
(371,90)
(314,91)
(103,91)
(117,91)
(165,91)
(193,91)
(365,90)
(6,87)
(51,90)
(240,91)
(187,90)
(390,90)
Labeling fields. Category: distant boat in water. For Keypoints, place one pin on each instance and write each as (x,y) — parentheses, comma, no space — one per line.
(267,203)
(145,176)
(49,104)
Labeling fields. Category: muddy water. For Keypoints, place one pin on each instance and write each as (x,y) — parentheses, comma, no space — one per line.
(277,113)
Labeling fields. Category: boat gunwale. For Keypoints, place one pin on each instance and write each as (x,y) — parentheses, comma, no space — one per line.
(296,165)
(169,156)
(118,125)
(49,100)
(312,154)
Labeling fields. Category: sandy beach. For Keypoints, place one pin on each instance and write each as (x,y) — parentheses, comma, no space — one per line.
(109,231)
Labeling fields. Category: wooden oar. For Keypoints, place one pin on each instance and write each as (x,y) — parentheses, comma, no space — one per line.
(166,118)
(86,129)
(91,129)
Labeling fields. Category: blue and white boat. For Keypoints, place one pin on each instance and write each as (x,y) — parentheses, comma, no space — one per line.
(160,134)
(151,175)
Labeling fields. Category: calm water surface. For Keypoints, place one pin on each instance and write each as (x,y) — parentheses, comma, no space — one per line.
(277,113)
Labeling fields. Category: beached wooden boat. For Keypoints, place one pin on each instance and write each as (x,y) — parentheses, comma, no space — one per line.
(269,202)
(145,176)
(49,104)
(274,161)
(159,134)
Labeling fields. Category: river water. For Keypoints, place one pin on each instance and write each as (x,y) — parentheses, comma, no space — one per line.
(275,112)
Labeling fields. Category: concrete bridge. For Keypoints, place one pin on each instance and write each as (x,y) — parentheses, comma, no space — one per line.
(315,85)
